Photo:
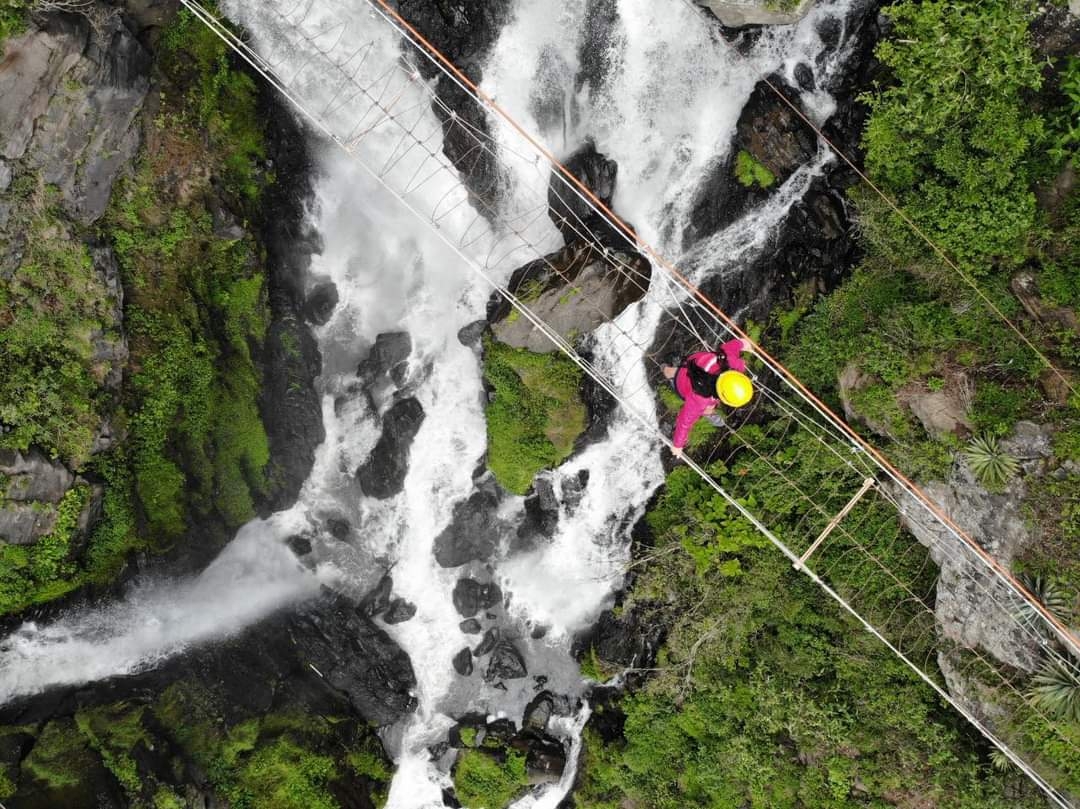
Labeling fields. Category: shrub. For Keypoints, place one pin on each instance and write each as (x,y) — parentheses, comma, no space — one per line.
(750,172)
(482,782)
(991,465)
(1056,689)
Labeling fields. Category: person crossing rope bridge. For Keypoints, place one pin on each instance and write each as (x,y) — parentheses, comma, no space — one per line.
(705,380)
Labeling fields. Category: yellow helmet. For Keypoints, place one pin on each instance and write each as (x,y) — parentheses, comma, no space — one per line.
(734,388)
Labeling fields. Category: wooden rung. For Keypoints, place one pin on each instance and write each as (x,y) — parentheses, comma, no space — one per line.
(835,521)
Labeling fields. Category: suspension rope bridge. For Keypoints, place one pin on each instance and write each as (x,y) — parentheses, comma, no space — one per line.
(834,506)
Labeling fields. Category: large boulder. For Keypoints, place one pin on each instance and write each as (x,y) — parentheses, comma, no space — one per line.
(570,209)
(474,530)
(506,663)
(972,606)
(471,596)
(389,351)
(75,98)
(573,291)
(382,475)
(768,134)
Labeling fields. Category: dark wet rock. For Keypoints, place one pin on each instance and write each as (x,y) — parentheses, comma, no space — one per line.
(339,528)
(541,515)
(470,335)
(506,663)
(545,756)
(573,489)
(320,303)
(389,350)
(538,713)
(573,291)
(474,529)
(399,611)
(607,719)
(630,640)
(539,632)
(804,77)
(382,475)
(502,729)
(573,215)
(356,658)
(464,31)
(487,644)
(470,626)
(775,137)
(299,545)
(290,407)
(72,97)
(471,597)
(463,664)
(378,600)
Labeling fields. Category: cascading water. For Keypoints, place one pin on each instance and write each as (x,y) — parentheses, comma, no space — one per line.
(660,93)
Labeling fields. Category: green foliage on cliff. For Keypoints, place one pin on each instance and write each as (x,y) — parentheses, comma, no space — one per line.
(953,139)
(56,311)
(536,413)
(483,782)
(30,574)
(12,18)
(768,695)
(196,309)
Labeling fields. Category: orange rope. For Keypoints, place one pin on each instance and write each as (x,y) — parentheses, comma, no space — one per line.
(435,53)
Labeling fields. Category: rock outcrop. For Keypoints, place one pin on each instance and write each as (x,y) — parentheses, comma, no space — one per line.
(382,475)
(973,608)
(737,13)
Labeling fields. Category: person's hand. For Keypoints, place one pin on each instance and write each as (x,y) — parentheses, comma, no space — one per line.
(747,345)
(677,452)
(708,411)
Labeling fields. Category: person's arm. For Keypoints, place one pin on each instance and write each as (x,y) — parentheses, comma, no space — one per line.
(732,350)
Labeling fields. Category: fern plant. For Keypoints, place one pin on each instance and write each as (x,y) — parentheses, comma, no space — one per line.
(999,761)
(992,466)
(1056,689)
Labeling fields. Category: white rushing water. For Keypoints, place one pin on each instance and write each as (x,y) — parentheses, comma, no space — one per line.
(665,109)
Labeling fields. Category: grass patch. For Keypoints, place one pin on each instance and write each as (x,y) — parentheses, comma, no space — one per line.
(750,172)
(483,782)
(536,414)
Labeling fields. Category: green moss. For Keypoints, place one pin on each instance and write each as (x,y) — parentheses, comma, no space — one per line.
(536,414)
(750,172)
(60,755)
(482,782)
(113,731)
(468,736)
(165,798)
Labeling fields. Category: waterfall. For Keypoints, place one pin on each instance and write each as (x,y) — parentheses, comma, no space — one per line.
(661,96)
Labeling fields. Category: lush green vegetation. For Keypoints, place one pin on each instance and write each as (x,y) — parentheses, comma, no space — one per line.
(481,781)
(751,172)
(536,413)
(193,446)
(286,760)
(12,18)
(952,139)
